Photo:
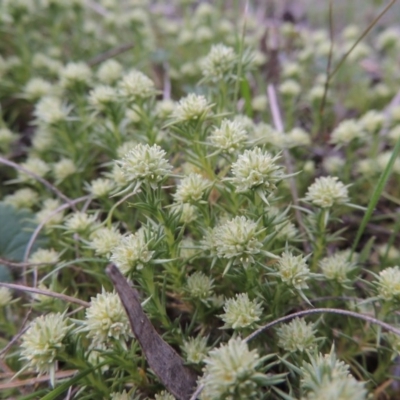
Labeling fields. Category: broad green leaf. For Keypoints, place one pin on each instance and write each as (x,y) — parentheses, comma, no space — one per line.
(16,228)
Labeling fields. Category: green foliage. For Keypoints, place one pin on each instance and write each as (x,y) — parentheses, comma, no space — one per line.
(227,201)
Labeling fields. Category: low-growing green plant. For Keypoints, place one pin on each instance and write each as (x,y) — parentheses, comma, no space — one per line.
(241,174)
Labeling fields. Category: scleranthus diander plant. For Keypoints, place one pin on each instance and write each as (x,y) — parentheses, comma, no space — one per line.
(241,177)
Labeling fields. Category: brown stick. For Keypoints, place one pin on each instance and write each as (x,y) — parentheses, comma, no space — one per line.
(162,358)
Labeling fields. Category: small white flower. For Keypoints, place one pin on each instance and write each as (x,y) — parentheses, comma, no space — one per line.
(5,296)
(256,169)
(136,85)
(231,369)
(297,335)
(237,240)
(346,132)
(293,270)
(290,88)
(219,62)
(372,121)
(191,107)
(241,312)
(43,341)
(47,214)
(132,253)
(120,396)
(195,349)
(6,138)
(389,283)
(64,168)
(333,164)
(104,240)
(298,137)
(164,395)
(109,72)
(229,137)
(199,285)
(383,160)
(75,73)
(34,165)
(106,319)
(191,189)
(102,97)
(327,191)
(325,377)
(80,222)
(145,163)
(260,103)
(337,266)
(45,256)
(36,88)
(49,111)
(101,187)
(22,198)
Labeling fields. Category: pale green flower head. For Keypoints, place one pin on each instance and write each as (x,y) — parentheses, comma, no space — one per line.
(260,103)
(382,161)
(388,39)
(42,139)
(80,222)
(49,215)
(346,132)
(101,187)
(132,253)
(6,138)
(191,108)
(104,240)
(43,341)
(298,137)
(241,312)
(75,73)
(45,257)
(237,240)
(106,319)
(5,296)
(293,270)
(120,396)
(136,85)
(109,72)
(297,335)
(22,198)
(188,212)
(231,372)
(219,63)
(34,165)
(325,377)
(372,121)
(337,267)
(290,88)
(145,163)
(256,170)
(191,189)
(164,395)
(36,88)
(195,349)
(102,97)
(199,286)
(327,191)
(50,111)
(334,164)
(63,169)
(389,283)
(229,137)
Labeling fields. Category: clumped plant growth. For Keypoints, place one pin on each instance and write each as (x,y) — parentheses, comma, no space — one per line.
(241,172)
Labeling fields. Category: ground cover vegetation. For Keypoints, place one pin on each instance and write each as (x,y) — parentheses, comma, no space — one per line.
(239,167)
